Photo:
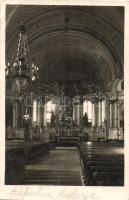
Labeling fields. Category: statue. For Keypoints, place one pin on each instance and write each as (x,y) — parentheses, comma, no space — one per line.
(63,120)
(26,118)
(52,119)
(85,120)
(85,127)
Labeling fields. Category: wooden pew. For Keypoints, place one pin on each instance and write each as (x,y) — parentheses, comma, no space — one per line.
(19,153)
(102,144)
(108,178)
(102,163)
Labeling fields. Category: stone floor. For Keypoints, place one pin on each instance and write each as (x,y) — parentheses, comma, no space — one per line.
(60,167)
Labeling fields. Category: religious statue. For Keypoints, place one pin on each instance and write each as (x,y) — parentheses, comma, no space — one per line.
(85,120)
(63,120)
(53,119)
(26,118)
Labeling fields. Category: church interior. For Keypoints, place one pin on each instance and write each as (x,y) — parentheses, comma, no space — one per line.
(64,95)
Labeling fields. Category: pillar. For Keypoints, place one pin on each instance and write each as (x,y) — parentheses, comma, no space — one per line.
(118,115)
(96,113)
(38,115)
(93,114)
(81,114)
(34,113)
(74,113)
(115,114)
(15,116)
(78,115)
(111,108)
(100,113)
(22,113)
(107,117)
(42,115)
(42,136)
(103,112)
(45,123)
(26,130)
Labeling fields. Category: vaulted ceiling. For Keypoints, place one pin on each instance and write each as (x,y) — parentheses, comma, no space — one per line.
(87,42)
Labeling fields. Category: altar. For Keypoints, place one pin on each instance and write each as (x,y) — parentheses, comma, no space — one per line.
(69,135)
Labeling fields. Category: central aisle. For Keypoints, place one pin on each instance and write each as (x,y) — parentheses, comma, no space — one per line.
(60,167)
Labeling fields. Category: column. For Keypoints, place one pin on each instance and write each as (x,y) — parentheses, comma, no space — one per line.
(111,107)
(19,119)
(74,113)
(103,111)
(81,114)
(31,121)
(115,114)
(27,135)
(107,117)
(45,123)
(42,136)
(93,114)
(22,113)
(118,120)
(34,113)
(118,115)
(38,114)
(15,115)
(78,115)
(42,115)
(100,113)
(75,109)
(96,113)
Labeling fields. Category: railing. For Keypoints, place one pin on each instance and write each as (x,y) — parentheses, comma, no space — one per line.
(12,133)
(69,135)
(68,132)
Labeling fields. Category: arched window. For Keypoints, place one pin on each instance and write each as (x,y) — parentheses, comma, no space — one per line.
(34,111)
(87,108)
(103,111)
(50,107)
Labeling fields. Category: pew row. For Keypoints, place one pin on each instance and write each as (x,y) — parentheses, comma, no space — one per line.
(18,154)
(102,163)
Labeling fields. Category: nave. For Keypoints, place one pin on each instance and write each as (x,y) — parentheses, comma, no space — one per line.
(87,163)
(64,105)
(60,167)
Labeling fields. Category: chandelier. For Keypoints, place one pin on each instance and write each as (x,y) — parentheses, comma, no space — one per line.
(21,70)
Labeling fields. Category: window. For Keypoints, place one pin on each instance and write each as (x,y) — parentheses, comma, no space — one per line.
(87,108)
(103,111)
(34,111)
(50,107)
